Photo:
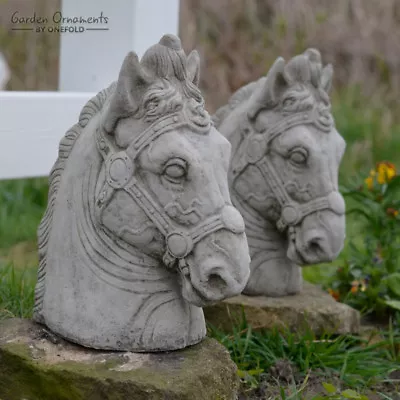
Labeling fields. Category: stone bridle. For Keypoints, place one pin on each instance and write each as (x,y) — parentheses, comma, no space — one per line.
(257,147)
(120,174)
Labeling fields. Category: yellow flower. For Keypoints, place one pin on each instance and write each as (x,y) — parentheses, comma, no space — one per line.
(363,285)
(392,212)
(386,171)
(383,173)
(358,286)
(369,182)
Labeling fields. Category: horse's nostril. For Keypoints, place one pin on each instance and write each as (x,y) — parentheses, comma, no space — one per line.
(315,248)
(215,282)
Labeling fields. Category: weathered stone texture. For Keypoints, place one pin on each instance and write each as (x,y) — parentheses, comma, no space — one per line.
(36,365)
(312,309)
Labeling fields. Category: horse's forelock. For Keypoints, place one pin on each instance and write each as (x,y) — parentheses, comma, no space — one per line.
(166,59)
(306,70)
(166,63)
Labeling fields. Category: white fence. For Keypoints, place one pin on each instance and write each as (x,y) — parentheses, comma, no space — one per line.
(32,123)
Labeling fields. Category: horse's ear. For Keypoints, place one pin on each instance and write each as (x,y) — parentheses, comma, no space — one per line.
(272,88)
(326,78)
(193,67)
(131,85)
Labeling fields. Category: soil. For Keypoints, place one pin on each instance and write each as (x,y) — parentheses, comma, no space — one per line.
(285,376)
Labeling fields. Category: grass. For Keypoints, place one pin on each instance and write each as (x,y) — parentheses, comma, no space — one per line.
(360,363)
(22,204)
(16,291)
(357,361)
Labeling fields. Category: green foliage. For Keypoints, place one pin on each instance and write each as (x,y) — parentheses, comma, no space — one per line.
(369,128)
(335,394)
(369,277)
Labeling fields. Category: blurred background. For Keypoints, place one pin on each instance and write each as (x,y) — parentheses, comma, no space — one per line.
(238,41)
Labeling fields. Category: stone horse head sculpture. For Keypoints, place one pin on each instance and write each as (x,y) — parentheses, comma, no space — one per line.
(139,230)
(284,171)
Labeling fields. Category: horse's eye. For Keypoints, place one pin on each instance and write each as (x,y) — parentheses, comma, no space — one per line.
(288,102)
(151,106)
(298,156)
(174,172)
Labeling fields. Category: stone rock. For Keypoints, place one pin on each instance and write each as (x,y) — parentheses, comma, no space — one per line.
(37,365)
(311,309)
(283,175)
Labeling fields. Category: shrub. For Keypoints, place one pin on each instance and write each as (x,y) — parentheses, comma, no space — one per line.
(369,278)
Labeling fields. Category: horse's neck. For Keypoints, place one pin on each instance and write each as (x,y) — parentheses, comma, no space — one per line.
(272,273)
(262,234)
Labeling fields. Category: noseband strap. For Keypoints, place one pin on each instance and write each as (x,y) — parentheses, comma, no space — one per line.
(120,174)
(257,146)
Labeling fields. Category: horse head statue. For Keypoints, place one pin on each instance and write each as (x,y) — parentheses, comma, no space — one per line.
(139,231)
(283,176)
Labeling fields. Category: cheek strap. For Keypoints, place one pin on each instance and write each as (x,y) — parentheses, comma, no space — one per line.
(120,171)
(292,213)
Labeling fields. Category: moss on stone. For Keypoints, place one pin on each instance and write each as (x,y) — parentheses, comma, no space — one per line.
(203,372)
(311,310)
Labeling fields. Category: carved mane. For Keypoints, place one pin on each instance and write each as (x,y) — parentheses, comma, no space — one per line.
(301,74)
(91,108)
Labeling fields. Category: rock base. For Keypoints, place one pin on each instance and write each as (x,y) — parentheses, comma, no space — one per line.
(311,310)
(35,364)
